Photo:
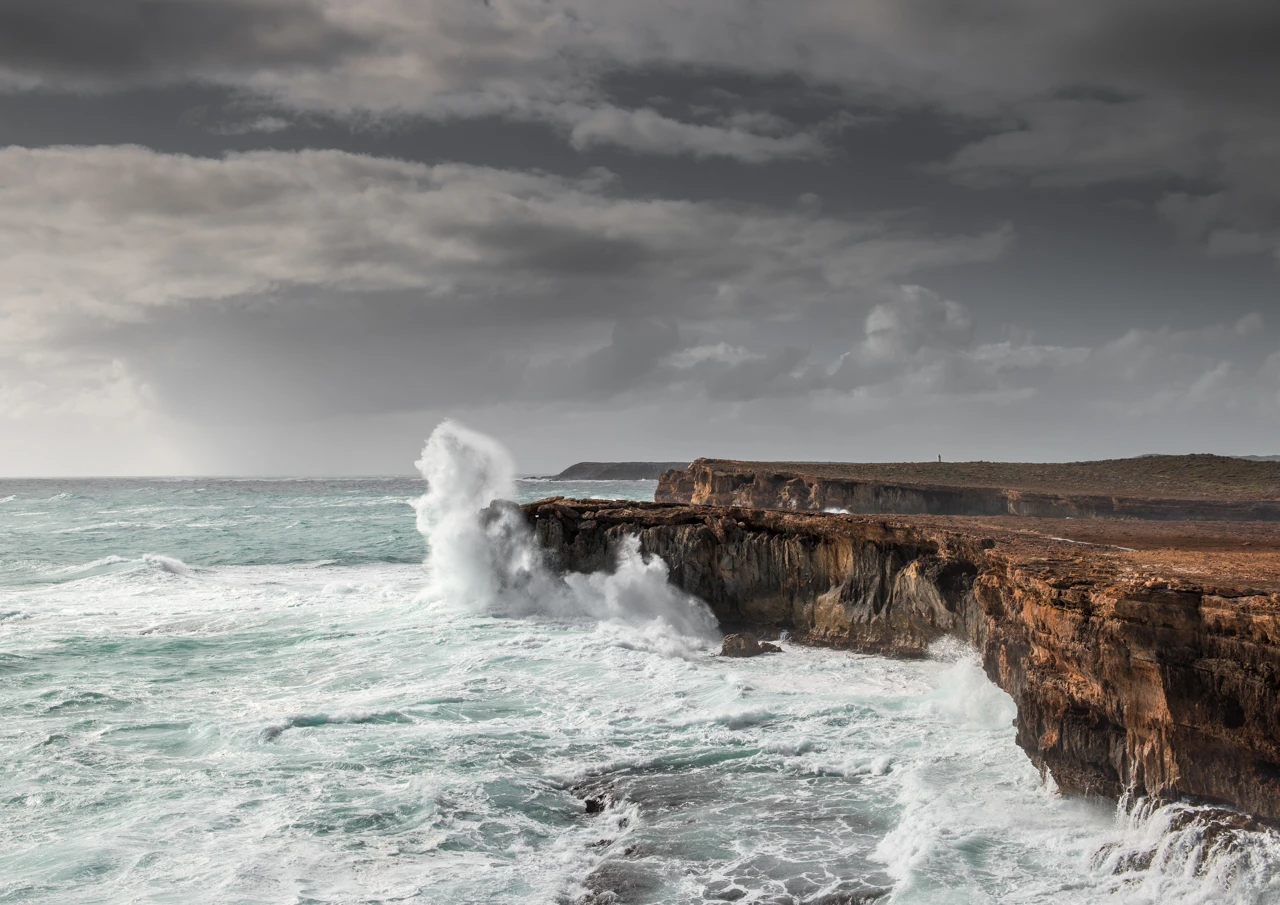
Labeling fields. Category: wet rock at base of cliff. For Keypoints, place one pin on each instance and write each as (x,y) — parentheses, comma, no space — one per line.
(745,644)
(618,882)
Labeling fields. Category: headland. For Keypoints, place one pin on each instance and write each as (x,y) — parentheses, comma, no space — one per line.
(1176,488)
(617,471)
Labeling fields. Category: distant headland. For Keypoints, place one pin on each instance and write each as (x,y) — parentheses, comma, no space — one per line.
(616,471)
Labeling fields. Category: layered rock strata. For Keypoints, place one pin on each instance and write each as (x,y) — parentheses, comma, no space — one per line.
(745,484)
(1126,675)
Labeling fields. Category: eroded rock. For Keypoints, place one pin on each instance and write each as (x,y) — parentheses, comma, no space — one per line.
(746,644)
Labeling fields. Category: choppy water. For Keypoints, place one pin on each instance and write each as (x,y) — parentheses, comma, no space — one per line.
(246,692)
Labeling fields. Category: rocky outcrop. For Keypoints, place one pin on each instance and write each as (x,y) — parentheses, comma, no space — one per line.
(744,484)
(746,644)
(1124,677)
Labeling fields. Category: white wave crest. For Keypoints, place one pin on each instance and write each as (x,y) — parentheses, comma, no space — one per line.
(1185,853)
(170,564)
(107,564)
(482,553)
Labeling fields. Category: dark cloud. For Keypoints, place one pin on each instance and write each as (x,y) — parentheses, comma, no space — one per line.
(88,42)
(1229,50)
(565,251)
(812,229)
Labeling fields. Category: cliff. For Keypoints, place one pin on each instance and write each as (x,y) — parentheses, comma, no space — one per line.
(1155,670)
(1151,487)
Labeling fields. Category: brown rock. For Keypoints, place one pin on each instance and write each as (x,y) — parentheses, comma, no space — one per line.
(741,644)
(566,512)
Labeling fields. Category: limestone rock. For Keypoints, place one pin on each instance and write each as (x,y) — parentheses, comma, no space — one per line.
(745,644)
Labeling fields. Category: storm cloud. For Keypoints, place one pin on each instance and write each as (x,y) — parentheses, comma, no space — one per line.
(94,45)
(615,229)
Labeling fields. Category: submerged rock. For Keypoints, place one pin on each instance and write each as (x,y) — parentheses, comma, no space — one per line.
(616,882)
(745,644)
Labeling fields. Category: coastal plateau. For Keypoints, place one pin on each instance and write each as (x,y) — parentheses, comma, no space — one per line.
(1197,487)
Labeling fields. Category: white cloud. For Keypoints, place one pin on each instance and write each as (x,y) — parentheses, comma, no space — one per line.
(917,319)
(114,232)
(66,413)
(920,350)
(35,386)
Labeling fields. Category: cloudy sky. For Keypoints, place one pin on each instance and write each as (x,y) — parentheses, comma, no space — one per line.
(289,236)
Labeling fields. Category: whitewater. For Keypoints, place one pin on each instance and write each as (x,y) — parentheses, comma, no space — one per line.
(373,691)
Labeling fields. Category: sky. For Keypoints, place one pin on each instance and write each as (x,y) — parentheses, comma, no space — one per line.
(290,236)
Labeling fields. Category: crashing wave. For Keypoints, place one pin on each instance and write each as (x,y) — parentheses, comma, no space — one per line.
(483,555)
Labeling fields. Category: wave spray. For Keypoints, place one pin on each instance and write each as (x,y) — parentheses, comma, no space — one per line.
(482,553)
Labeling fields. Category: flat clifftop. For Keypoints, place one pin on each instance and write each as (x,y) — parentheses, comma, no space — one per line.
(1236,558)
(1195,477)
(1151,487)
(1142,656)
(617,471)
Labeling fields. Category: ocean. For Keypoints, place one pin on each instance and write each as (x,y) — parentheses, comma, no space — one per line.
(359,691)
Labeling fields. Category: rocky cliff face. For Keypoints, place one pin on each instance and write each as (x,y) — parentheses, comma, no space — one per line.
(707,482)
(1123,678)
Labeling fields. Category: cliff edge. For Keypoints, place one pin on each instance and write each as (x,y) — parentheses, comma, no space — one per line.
(1199,487)
(1155,670)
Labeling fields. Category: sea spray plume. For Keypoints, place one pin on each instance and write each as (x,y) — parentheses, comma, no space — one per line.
(637,589)
(483,554)
(465,471)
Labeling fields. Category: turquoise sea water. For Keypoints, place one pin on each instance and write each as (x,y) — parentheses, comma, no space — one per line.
(253,692)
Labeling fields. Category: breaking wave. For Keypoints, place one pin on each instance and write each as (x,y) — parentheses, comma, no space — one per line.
(482,552)
(107,565)
(1182,852)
